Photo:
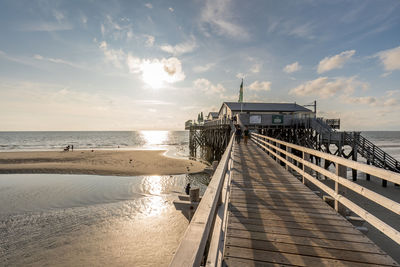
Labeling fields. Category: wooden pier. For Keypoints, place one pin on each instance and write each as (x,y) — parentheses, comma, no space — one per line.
(273,219)
(255,212)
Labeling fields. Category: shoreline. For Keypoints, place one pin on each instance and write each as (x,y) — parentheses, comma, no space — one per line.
(97,162)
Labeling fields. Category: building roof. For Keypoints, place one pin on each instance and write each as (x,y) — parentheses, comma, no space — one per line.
(213,114)
(265,107)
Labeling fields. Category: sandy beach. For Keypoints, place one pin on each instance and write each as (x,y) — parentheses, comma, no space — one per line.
(100,162)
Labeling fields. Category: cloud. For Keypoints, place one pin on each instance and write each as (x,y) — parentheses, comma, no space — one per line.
(390,58)
(148,5)
(383,101)
(292,67)
(171,9)
(154,72)
(207,87)
(391,93)
(217,17)
(335,62)
(116,57)
(157,72)
(325,87)
(369,100)
(84,19)
(59,61)
(391,102)
(241,75)
(256,68)
(118,30)
(18,59)
(150,40)
(204,68)
(181,48)
(46,27)
(59,16)
(292,27)
(303,31)
(260,86)
(129,35)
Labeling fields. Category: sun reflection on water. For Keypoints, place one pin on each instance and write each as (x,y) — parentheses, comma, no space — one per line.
(155,206)
(154,137)
(155,186)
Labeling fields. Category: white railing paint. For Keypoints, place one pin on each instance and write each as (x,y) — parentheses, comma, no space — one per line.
(191,249)
(341,163)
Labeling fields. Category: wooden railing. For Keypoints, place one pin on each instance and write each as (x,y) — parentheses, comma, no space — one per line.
(303,166)
(218,122)
(373,153)
(208,221)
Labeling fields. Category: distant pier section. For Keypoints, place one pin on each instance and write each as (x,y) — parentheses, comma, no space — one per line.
(289,122)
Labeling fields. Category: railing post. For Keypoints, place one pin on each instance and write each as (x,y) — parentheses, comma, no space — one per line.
(282,155)
(288,150)
(306,157)
(341,171)
(384,182)
(354,156)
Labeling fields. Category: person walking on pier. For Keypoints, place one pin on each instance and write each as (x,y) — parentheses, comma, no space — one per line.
(238,134)
(187,189)
(246,135)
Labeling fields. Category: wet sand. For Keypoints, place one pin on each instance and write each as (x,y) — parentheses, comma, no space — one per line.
(89,220)
(100,162)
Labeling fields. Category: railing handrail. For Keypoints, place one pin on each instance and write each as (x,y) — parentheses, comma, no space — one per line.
(375,197)
(191,249)
(378,155)
(375,171)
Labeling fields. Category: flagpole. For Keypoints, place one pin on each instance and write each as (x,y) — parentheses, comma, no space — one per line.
(241,102)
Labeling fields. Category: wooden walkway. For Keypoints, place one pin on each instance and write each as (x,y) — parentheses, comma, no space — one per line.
(274,220)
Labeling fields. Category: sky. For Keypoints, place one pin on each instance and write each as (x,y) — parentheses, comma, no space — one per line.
(152,65)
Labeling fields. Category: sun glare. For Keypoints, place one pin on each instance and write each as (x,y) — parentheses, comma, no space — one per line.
(153,74)
(154,137)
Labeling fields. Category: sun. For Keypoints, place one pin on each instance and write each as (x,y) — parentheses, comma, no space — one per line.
(153,74)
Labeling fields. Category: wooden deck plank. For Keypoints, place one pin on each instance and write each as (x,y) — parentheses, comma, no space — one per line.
(273,200)
(273,209)
(291,259)
(290,218)
(329,253)
(283,205)
(273,219)
(236,262)
(275,195)
(271,190)
(312,241)
(256,214)
(301,232)
(294,225)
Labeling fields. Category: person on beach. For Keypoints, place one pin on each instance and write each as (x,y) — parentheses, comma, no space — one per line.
(238,134)
(246,135)
(72,148)
(187,189)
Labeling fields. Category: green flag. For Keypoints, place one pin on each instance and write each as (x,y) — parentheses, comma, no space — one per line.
(241,92)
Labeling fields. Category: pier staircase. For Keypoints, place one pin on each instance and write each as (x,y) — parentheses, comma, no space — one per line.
(328,135)
(374,155)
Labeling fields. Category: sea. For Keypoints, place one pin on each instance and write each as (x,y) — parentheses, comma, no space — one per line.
(91,220)
(175,142)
